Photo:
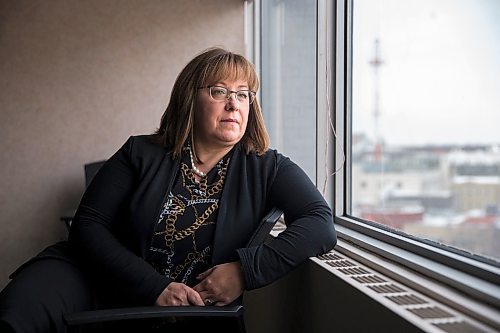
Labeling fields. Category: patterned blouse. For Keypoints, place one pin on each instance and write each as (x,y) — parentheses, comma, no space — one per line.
(182,242)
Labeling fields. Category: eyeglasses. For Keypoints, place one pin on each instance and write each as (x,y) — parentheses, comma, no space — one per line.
(219,93)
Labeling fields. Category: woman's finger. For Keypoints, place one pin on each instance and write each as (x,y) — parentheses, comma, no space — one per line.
(194,298)
(206,273)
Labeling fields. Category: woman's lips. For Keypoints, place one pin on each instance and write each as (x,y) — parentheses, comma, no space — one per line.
(230,121)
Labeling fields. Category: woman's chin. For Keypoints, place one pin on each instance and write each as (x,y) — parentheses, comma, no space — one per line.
(230,137)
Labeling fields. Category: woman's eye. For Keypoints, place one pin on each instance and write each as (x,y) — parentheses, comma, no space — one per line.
(219,91)
(242,95)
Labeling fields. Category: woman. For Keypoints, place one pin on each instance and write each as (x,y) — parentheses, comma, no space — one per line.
(166,219)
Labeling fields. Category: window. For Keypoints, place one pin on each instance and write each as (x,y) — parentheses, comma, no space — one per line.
(288,94)
(425,83)
(420,147)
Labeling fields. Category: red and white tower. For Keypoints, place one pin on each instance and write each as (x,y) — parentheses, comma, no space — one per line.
(376,62)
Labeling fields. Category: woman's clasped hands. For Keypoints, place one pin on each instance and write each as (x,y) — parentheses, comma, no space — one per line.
(219,285)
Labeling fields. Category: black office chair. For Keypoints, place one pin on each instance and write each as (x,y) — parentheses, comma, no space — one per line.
(144,319)
(90,171)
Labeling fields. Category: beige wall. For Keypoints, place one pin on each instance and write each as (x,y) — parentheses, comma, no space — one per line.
(76,79)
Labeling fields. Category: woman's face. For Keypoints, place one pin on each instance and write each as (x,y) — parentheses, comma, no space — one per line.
(220,123)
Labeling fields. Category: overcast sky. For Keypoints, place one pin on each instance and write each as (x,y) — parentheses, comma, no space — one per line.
(440,81)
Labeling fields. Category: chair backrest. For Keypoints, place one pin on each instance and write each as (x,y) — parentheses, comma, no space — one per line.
(91,170)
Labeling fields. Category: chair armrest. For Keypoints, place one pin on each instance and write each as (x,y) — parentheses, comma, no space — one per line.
(266,225)
(67,218)
(151,312)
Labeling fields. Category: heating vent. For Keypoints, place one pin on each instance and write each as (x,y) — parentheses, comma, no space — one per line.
(459,327)
(366,279)
(431,312)
(438,316)
(406,299)
(341,263)
(387,289)
(353,271)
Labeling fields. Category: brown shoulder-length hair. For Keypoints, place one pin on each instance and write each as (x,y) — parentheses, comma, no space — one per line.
(211,66)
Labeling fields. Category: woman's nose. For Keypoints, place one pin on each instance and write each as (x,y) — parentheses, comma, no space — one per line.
(232,103)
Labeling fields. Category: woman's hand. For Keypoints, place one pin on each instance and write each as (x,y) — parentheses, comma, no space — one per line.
(179,294)
(222,284)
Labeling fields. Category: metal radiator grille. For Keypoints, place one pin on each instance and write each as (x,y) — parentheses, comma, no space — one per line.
(441,318)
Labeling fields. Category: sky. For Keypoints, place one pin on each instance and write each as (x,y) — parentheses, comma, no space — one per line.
(440,78)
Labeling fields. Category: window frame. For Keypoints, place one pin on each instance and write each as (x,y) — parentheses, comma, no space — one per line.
(470,274)
(427,257)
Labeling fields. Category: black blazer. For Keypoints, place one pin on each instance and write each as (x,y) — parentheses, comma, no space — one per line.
(113,226)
